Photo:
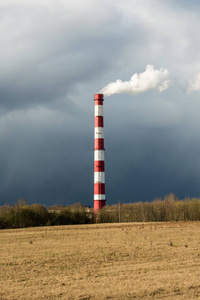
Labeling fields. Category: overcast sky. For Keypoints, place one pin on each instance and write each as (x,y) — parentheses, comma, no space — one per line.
(54,56)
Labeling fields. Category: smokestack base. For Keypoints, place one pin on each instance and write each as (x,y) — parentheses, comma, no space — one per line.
(98,204)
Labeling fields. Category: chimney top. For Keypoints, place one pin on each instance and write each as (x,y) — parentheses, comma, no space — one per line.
(98,97)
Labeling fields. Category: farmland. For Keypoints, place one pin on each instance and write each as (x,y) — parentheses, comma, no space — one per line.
(101,261)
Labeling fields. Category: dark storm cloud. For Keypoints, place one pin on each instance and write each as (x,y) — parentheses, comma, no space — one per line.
(148,158)
(48,50)
(54,56)
(42,160)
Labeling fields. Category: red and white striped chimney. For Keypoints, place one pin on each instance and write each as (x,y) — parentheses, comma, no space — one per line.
(99,165)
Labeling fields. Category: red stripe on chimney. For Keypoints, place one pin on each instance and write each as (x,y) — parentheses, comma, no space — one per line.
(99,188)
(99,166)
(98,121)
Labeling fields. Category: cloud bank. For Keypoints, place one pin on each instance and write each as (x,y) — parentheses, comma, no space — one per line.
(150,79)
(54,55)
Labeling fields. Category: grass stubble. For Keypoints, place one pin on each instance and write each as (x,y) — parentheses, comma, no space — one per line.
(102,261)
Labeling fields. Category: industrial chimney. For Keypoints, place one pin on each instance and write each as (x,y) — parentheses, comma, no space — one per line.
(99,166)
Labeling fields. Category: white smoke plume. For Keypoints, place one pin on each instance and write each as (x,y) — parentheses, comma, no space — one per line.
(139,83)
(194,84)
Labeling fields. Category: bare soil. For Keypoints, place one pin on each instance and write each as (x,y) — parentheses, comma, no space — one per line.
(102,261)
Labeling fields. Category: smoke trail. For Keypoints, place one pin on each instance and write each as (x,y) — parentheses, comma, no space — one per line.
(140,83)
(194,84)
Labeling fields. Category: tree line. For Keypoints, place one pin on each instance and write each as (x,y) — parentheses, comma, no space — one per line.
(22,215)
(160,210)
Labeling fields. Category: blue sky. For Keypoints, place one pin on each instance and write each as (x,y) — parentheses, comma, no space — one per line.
(54,56)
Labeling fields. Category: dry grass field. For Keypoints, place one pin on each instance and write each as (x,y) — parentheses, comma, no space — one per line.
(103,261)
